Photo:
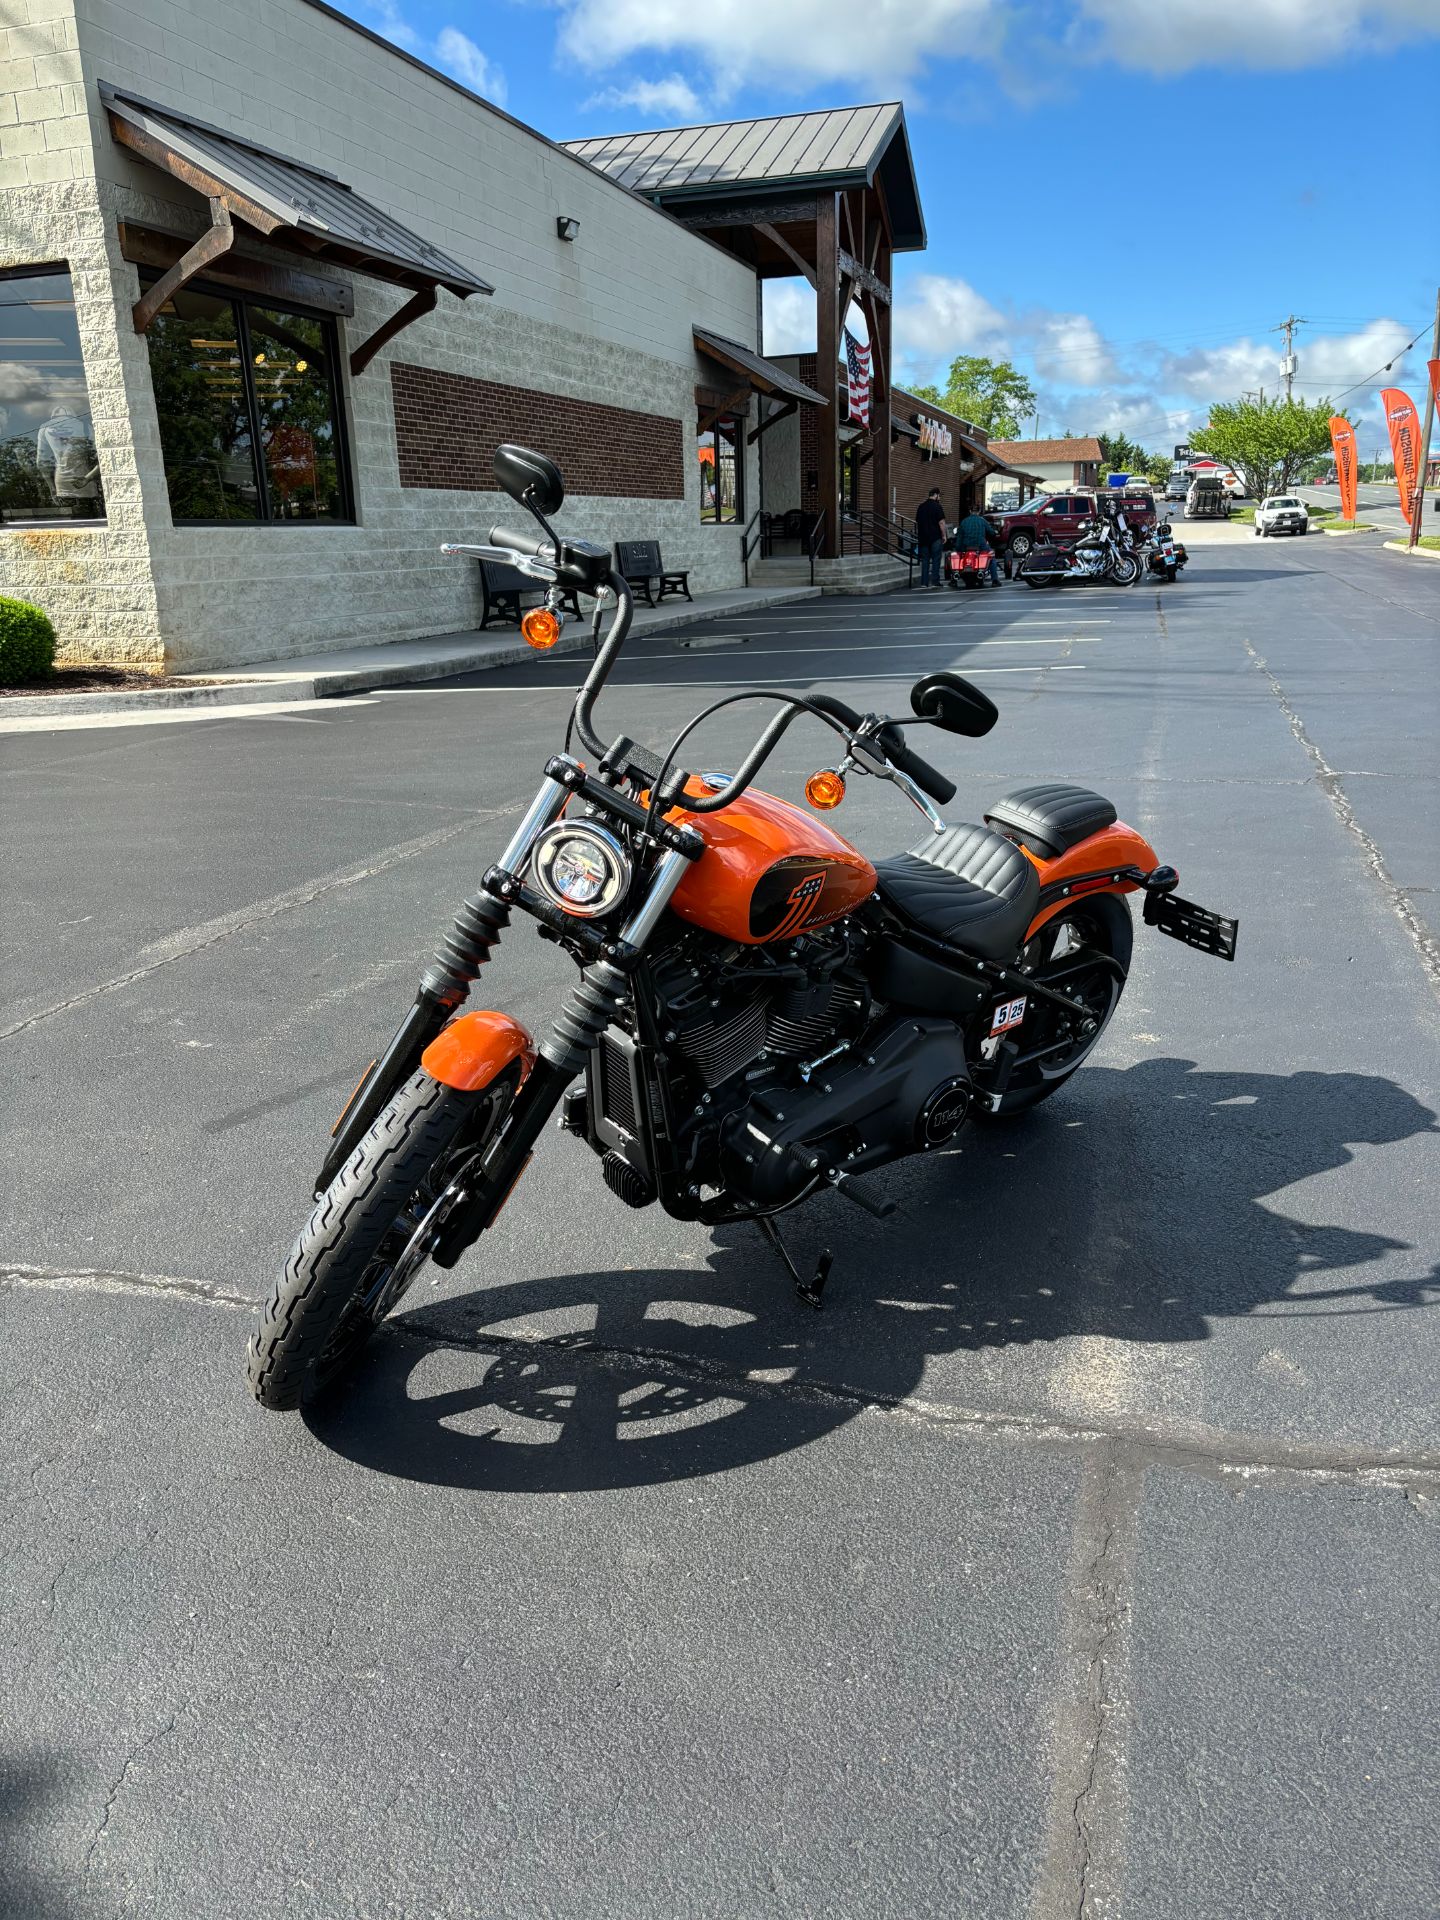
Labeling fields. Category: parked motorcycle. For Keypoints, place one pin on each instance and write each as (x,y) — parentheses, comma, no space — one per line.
(1099,553)
(1164,555)
(761,1013)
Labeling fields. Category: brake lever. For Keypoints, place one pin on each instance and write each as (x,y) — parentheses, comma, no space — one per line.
(525,563)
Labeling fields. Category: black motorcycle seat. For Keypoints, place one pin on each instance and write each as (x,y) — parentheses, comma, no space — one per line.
(1050,818)
(966,885)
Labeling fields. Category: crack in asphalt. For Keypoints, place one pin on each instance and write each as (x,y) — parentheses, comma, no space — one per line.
(114,1794)
(1330,784)
(1205,1450)
(209,933)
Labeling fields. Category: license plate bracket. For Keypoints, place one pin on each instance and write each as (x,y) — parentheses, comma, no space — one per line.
(1191,925)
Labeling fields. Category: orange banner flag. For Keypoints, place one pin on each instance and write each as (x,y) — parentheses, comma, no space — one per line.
(1342,440)
(1434,366)
(1404,425)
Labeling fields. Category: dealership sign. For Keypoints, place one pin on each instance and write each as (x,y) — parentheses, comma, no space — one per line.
(933,437)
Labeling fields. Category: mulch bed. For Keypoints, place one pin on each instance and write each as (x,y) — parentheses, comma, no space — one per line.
(97,680)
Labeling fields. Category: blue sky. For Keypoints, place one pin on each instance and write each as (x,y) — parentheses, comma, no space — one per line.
(1124,198)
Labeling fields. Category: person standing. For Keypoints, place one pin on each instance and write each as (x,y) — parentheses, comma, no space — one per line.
(930,537)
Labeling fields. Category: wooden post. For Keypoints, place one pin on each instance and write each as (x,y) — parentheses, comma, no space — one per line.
(879,317)
(827,353)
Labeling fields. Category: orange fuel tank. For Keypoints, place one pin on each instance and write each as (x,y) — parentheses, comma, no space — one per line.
(769,871)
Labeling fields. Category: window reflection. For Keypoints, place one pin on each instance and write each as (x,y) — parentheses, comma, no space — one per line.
(721,470)
(49,469)
(197,368)
(292,373)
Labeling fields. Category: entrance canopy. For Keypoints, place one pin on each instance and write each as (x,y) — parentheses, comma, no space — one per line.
(289,202)
(763,375)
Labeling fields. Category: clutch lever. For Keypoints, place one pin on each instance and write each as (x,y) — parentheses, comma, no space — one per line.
(524,563)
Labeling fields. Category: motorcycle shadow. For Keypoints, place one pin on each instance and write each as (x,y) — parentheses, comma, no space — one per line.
(1133,1206)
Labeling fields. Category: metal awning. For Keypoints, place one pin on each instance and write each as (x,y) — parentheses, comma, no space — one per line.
(290,202)
(897,425)
(761,374)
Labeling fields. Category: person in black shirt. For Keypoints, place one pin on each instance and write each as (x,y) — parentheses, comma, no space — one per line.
(930,537)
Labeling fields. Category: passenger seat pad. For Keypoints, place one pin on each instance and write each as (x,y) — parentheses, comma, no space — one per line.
(1050,818)
(966,885)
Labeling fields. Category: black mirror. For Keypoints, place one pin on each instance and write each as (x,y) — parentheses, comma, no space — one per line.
(531,478)
(954,704)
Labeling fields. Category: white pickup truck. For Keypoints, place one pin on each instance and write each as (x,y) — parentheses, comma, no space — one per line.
(1281,513)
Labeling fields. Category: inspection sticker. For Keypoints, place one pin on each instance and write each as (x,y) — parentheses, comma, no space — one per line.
(1010,1014)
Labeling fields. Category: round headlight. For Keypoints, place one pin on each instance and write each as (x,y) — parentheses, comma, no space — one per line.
(582,868)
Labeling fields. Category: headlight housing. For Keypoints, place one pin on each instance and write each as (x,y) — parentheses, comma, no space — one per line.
(580,868)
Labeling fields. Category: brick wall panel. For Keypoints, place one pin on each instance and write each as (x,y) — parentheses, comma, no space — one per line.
(447,427)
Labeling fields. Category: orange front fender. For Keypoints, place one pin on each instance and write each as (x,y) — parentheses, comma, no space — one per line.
(1085,865)
(476,1047)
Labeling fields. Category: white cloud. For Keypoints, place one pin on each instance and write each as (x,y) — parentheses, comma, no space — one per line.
(783,42)
(1069,347)
(938,315)
(458,54)
(671,99)
(1179,35)
(451,50)
(789,317)
(1327,363)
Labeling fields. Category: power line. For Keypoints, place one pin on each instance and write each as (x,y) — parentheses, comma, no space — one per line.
(1385,369)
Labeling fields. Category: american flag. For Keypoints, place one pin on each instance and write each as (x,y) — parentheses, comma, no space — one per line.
(857,362)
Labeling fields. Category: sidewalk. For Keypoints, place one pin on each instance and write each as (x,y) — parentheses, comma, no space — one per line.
(273,685)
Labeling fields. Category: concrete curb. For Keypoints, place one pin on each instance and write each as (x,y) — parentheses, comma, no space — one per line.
(1344,533)
(1413,553)
(274,684)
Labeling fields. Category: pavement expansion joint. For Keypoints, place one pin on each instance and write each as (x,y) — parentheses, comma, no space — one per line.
(1138,1444)
(1329,781)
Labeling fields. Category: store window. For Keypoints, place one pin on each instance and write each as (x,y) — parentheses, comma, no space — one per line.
(49,470)
(248,402)
(722,471)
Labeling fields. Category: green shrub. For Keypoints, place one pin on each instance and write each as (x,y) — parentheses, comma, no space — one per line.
(27,643)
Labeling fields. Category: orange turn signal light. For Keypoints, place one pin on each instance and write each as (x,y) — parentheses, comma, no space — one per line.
(541,628)
(825,789)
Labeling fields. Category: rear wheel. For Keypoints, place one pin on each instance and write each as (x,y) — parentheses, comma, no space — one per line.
(1084,953)
(368,1237)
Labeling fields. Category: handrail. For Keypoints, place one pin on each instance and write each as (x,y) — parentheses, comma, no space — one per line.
(748,545)
(871,532)
(817,534)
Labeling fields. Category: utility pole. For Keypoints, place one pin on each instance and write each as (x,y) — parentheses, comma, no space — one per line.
(1417,518)
(1287,365)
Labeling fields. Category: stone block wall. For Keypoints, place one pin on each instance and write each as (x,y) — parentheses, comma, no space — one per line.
(603,322)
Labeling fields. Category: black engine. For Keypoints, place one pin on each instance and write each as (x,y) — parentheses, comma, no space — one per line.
(759,1050)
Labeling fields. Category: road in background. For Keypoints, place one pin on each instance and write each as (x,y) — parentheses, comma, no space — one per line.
(1080,1557)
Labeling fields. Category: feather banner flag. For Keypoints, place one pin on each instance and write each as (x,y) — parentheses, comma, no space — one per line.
(1404,425)
(1342,440)
(857,366)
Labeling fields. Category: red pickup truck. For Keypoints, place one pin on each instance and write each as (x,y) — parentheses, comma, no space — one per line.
(1059,516)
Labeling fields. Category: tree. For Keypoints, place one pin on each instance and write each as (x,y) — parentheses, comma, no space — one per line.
(1266,441)
(1121,455)
(990,394)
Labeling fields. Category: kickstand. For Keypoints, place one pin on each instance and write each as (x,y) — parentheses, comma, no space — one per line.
(810,1291)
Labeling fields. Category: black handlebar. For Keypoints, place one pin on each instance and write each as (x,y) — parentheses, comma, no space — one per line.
(533,544)
(929,779)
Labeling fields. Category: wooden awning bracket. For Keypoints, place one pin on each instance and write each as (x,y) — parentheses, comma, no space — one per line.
(217,239)
(851,269)
(415,308)
(736,402)
(781,413)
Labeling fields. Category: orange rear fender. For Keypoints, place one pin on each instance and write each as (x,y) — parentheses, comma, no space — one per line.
(476,1047)
(1087,867)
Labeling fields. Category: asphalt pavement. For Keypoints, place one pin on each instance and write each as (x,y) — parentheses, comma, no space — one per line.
(1079,1559)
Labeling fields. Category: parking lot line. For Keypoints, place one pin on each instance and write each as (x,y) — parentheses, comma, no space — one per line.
(866,646)
(684,686)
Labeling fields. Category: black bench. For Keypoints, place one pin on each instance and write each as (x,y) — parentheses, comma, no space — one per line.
(639,562)
(503,585)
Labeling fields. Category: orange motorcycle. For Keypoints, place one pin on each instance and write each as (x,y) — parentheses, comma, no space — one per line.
(760,1013)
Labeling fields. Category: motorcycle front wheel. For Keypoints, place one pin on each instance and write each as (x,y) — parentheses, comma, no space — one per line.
(1078,953)
(1124,570)
(367,1238)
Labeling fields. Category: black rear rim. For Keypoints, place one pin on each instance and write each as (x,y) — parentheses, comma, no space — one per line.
(1072,954)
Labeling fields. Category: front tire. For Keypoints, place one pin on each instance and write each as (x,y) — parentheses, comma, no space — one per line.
(1098,927)
(1020,546)
(359,1250)
(1125,570)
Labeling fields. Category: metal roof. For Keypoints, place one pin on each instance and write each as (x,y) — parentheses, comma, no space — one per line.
(272,192)
(837,146)
(763,373)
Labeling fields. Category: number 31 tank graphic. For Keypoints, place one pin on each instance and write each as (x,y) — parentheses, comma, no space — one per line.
(770,872)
